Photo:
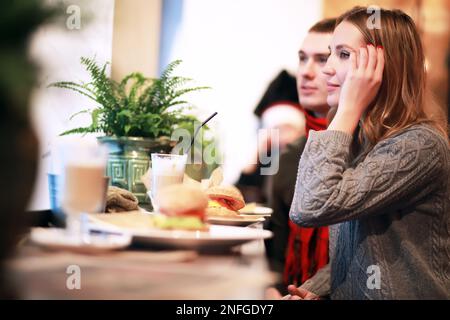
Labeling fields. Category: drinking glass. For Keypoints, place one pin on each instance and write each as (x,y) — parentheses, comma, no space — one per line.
(167,169)
(83,184)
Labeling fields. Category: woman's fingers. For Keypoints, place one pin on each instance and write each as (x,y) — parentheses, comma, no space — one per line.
(363,57)
(297,291)
(292,289)
(353,62)
(372,61)
(378,74)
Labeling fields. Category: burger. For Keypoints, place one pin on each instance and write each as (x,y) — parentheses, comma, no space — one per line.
(181,207)
(224,201)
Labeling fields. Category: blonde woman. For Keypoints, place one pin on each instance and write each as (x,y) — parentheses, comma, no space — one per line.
(379,175)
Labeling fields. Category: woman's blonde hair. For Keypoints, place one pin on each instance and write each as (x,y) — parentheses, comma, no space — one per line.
(402,100)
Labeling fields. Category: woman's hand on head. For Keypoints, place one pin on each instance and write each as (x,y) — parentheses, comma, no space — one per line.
(363,79)
(361,85)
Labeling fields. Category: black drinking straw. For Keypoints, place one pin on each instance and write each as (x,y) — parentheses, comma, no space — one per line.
(198,129)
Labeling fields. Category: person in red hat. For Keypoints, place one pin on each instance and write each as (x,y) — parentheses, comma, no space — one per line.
(279,110)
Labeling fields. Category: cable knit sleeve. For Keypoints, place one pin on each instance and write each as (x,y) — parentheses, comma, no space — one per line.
(320,283)
(329,191)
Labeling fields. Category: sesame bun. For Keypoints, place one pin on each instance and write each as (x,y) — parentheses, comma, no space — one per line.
(182,200)
(228,196)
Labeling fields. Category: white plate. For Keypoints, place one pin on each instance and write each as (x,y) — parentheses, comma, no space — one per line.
(238,221)
(258,210)
(217,238)
(58,239)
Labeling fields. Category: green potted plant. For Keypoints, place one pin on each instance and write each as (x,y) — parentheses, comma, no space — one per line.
(137,117)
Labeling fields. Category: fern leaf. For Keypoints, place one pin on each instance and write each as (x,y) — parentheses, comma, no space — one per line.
(78,113)
(169,69)
(79,130)
(95,117)
(67,85)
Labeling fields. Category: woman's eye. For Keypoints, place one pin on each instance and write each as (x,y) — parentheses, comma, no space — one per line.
(303,59)
(344,55)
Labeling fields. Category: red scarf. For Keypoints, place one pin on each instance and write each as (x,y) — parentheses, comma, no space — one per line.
(307,249)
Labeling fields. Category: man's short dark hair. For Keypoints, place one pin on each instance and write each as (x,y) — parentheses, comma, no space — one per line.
(324,26)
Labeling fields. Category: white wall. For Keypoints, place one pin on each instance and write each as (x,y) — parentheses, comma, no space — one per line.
(237,47)
(58,49)
(136,37)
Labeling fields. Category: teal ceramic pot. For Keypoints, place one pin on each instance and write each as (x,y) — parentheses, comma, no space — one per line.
(129,159)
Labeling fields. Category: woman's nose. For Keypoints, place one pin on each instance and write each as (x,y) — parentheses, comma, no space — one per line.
(328,69)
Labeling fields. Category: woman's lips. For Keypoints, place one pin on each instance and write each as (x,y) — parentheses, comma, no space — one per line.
(332,86)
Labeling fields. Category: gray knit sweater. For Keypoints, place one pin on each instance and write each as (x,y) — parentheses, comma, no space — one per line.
(388,212)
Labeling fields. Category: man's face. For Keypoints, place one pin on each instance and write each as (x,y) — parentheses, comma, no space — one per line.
(311,81)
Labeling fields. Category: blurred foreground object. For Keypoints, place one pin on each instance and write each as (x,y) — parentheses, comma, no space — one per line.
(18,142)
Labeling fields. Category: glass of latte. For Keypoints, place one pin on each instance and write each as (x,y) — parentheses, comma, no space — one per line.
(83,184)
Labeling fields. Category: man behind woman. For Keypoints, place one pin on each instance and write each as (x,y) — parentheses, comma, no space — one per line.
(294,251)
